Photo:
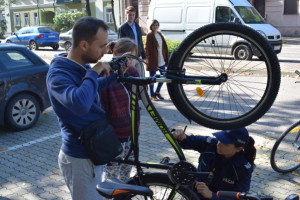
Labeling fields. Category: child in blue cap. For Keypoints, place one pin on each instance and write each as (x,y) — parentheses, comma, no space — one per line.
(229,156)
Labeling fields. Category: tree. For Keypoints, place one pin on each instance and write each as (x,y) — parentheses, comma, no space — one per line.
(7,2)
(65,21)
(88,8)
(113,14)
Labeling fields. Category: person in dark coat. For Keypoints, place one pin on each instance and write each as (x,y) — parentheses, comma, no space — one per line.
(157,57)
(132,30)
(229,157)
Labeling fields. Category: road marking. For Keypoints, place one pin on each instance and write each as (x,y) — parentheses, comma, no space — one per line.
(31,142)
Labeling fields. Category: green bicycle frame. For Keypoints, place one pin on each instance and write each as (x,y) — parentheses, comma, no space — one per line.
(140,91)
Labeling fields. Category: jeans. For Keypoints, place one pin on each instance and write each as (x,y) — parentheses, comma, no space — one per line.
(153,73)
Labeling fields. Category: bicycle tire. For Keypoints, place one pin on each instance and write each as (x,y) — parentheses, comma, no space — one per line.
(285,154)
(251,87)
(161,185)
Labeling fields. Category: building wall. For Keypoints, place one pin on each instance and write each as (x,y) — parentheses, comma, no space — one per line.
(143,13)
(47,9)
(289,25)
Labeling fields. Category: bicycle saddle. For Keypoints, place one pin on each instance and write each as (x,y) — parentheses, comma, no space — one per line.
(112,188)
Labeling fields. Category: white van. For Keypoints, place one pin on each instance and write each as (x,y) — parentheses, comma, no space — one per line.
(178,18)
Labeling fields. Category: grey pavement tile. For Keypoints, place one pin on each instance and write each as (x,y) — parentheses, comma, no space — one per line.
(34,169)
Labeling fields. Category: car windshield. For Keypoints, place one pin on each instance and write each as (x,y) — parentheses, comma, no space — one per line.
(45,30)
(250,15)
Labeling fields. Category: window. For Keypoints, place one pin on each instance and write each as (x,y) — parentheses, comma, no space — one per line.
(224,14)
(291,7)
(17,19)
(26,19)
(35,19)
(14,59)
(108,15)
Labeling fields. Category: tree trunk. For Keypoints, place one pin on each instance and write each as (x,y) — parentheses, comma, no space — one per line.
(88,8)
(113,14)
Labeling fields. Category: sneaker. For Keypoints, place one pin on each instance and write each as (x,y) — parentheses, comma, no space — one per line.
(159,96)
(154,98)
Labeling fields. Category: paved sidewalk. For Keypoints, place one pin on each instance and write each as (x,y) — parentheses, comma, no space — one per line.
(29,170)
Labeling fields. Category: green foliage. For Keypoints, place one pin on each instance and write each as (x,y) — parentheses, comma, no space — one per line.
(65,21)
(3,28)
(6,2)
(172,45)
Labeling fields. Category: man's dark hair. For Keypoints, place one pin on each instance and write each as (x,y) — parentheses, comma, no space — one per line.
(86,28)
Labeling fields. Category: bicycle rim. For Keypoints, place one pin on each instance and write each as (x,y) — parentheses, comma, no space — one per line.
(285,152)
(251,86)
(161,186)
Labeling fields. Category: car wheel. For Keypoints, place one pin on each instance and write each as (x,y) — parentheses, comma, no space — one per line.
(8,41)
(33,45)
(55,47)
(22,112)
(68,46)
(242,52)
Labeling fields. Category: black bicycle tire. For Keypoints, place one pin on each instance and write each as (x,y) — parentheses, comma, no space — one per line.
(275,148)
(190,112)
(161,179)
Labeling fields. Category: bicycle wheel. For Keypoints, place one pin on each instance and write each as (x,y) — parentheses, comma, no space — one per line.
(285,152)
(250,86)
(161,186)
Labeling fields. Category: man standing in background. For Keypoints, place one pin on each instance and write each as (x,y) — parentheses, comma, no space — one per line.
(131,29)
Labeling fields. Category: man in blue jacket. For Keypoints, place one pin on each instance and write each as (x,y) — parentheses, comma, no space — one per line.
(73,89)
(229,157)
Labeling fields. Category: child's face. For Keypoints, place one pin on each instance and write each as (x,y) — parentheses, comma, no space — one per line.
(131,61)
(227,150)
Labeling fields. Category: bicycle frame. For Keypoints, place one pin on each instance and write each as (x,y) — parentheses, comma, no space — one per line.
(139,91)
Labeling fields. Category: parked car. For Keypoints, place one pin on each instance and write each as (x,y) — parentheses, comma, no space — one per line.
(35,37)
(23,91)
(66,41)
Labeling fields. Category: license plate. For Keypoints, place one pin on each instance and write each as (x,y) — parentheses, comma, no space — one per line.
(277,47)
(51,36)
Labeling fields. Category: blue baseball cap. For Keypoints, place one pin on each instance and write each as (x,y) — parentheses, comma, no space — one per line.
(239,137)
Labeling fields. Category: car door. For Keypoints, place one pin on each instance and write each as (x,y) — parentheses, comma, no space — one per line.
(18,36)
(27,36)
(4,84)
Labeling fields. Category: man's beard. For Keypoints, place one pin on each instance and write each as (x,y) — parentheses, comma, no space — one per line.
(88,59)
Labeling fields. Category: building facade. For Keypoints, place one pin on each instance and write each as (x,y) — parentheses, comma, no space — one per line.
(41,12)
(283,14)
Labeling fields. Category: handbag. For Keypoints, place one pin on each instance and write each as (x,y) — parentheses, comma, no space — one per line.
(100,142)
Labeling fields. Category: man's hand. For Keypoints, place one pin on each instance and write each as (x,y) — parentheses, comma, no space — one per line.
(179,134)
(202,189)
(102,67)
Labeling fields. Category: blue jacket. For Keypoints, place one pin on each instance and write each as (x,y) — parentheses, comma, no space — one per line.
(232,174)
(74,96)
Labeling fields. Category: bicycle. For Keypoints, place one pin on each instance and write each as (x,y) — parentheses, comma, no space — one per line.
(115,189)
(223,101)
(285,152)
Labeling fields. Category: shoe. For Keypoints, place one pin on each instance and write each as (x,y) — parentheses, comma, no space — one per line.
(158,96)
(154,98)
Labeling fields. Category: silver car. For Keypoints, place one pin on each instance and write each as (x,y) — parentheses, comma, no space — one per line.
(66,41)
